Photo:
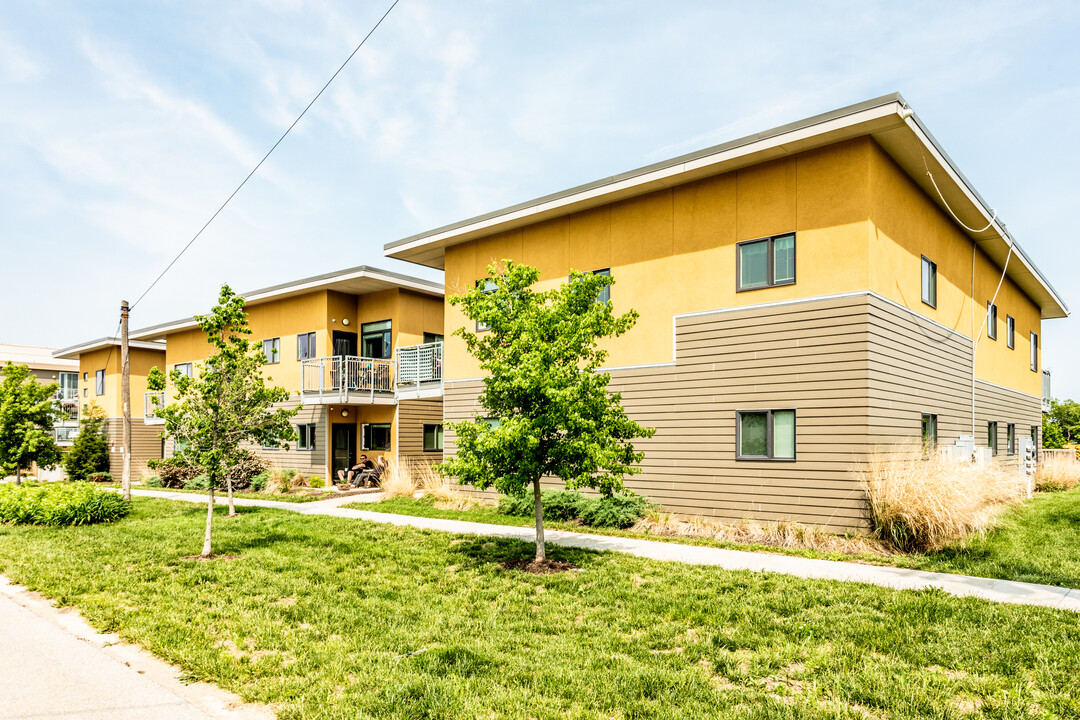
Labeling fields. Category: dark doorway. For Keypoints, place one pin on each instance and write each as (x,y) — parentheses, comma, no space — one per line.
(344,343)
(343,455)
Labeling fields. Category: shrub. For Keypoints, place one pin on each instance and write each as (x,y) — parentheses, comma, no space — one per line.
(174,472)
(199,482)
(258,483)
(918,505)
(153,481)
(620,510)
(1056,473)
(100,477)
(282,481)
(245,469)
(316,482)
(89,452)
(60,504)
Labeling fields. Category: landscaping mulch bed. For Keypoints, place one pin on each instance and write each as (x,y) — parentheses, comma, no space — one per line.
(547,566)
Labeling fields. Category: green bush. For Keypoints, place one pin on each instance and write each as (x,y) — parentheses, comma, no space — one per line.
(618,511)
(89,452)
(100,477)
(174,472)
(316,482)
(153,481)
(258,483)
(59,504)
(199,482)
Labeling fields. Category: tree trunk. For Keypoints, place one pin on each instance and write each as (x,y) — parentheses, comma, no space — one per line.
(209,524)
(539,508)
(232,508)
(18,475)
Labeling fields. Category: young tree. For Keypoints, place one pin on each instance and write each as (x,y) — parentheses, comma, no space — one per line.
(90,451)
(547,411)
(1065,415)
(28,411)
(227,403)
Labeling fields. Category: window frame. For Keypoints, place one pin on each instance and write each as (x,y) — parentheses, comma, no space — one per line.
(387,334)
(99,383)
(276,354)
(437,435)
(770,262)
(1035,440)
(431,338)
(185,369)
(307,341)
(365,433)
(1033,338)
(1010,439)
(769,433)
(991,320)
(930,446)
(308,429)
(931,288)
(992,436)
(1010,332)
(489,287)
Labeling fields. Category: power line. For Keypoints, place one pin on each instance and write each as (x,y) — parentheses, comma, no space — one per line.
(241,185)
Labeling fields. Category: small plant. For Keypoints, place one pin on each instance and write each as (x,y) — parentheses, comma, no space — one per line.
(100,477)
(316,482)
(282,481)
(199,482)
(173,472)
(60,504)
(258,483)
(620,510)
(153,481)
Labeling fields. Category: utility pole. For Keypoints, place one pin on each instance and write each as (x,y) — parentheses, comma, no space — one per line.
(125,398)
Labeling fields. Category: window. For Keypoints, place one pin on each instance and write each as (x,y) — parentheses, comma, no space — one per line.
(433,438)
(183,368)
(1010,332)
(929,282)
(432,338)
(376,436)
(765,435)
(1010,439)
(491,422)
(69,386)
(1034,352)
(991,436)
(488,286)
(307,436)
(1035,441)
(991,320)
(929,433)
(85,376)
(99,382)
(766,263)
(375,340)
(86,392)
(305,346)
(272,350)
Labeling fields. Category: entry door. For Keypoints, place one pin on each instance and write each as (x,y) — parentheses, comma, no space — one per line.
(344,448)
(344,343)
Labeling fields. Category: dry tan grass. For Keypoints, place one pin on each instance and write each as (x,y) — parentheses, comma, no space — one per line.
(779,534)
(1057,472)
(282,482)
(918,504)
(407,478)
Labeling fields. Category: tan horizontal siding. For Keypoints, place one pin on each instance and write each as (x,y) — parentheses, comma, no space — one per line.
(412,415)
(993,403)
(145,445)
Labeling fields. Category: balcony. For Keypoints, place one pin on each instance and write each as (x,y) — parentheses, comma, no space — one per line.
(151,403)
(346,380)
(1046,396)
(64,435)
(419,371)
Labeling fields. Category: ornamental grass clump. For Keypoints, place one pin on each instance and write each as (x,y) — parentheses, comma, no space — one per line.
(1056,473)
(921,505)
(409,477)
(60,504)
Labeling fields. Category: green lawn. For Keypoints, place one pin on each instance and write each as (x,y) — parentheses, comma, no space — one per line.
(222,495)
(1037,541)
(318,616)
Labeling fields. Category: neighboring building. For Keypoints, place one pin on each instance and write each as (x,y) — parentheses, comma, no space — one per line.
(360,349)
(99,368)
(47,370)
(806,298)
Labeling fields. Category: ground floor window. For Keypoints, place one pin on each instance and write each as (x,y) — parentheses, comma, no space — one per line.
(376,436)
(929,433)
(1035,440)
(765,435)
(307,436)
(1010,437)
(433,438)
(991,436)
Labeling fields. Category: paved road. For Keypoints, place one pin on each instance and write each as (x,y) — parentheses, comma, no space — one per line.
(1005,591)
(53,665)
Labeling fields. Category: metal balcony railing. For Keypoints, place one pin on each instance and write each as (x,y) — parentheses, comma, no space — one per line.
(341,378)
(419,366)
(64,434)
(67,395)
(152,402)
(1046,396)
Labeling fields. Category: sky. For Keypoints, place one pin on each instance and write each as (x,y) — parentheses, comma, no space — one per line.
(123,126)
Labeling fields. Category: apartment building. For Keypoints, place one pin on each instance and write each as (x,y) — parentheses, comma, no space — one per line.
(808,295)
(360,350)
(98,382)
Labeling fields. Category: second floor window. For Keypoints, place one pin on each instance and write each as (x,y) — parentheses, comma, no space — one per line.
(272,350)
(487,286)
(929,282)
(69,385)
(1034,352)
(375,339)
(991,320)
(99,382)
(184,369)
(305,346)
(432,338)
(766,262)
(1010,332)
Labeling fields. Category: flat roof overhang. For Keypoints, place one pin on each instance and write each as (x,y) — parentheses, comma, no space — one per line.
(887,119)
(73,352)
(359,280)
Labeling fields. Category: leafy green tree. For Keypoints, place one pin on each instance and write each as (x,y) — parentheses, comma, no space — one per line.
(28,410)
(90,451)
(547,411)
(227,403)
(155,379)
(1052,437)
(1065,415)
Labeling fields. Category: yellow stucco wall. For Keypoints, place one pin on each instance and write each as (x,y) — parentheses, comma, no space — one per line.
(673,251)
(140,361)
(860,224)
(908,225)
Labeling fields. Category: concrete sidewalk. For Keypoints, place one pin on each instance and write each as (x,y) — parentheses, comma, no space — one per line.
(1005,591)
(54,665)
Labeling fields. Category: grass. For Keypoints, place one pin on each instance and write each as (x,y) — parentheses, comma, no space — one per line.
(330,618)
(222,495)
(1034,541)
